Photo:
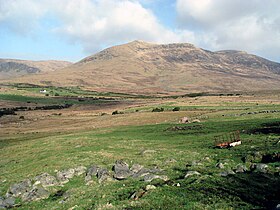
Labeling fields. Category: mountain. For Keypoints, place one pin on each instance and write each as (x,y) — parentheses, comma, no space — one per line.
(146,68)
(11,68)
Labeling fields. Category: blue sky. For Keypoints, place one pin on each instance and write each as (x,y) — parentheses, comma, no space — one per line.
(73,29)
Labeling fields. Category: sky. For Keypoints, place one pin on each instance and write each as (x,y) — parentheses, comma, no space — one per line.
(73,29)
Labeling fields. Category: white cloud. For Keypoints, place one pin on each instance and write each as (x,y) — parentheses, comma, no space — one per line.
(252,26)
(92,23)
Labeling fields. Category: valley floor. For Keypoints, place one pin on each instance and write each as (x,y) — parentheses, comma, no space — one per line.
(192,173)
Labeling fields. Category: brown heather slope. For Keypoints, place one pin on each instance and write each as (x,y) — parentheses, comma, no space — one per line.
(12,68)
(140,67)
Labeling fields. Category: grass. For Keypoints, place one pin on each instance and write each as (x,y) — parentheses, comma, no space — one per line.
(27,154)
(26,158)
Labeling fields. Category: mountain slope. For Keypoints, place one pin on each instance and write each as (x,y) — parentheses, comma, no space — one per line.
(11,68)
(140,67)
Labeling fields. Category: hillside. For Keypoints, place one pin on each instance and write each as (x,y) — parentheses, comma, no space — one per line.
(11,68)
(146,68)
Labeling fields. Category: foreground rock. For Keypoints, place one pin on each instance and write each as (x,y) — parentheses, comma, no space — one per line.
(64,176)
(191,173)
(121,170)
(259,167)
(6,203)
(91,172)
(226,173)
(151,177)
(45,180)
(103,175)
(36,193)
(19,189)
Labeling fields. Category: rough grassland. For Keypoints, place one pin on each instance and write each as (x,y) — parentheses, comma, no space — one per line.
(25,153)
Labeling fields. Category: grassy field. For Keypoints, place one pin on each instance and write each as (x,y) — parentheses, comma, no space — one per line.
(84,137)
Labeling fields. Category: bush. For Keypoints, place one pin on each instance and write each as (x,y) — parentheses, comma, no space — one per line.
(158,109)
(116,112)
(56,94)
(175,109)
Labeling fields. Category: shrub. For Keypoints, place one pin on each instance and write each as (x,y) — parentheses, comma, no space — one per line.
(116,112)
(158,109)
(56,94)
(175,109)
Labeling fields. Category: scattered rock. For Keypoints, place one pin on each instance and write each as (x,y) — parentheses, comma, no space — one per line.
(103,175)
(121,170)
(185,120)
(220,165)
(137,194)
(19,189)
(241,169)
(80,170)
(259,167)
(45,180)
(191,173)
(147,152)
(196,121)
(37,193)
(135,168)
(196,163)
(92,171)
(226,173)
(150,187)
(170,161)
(151,177)
(141,173)
(7,203)
(65,175)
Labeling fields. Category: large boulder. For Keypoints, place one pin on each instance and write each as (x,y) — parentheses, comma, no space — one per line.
(19,189)
(36,193)
(259,167)
(121,170)
(92,171)
(103,175)
(45,180)
(64,176)
(80,170)
(6,203)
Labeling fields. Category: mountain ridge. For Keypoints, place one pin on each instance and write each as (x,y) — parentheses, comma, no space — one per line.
(178,68)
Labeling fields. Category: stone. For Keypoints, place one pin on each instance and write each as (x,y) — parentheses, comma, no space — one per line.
(278,207)
(196,163)
(137,194)
(103,175)
(220,165)
(45,180)
(18,189)
(7,202)
(259,167)
(92,171)
(185,120)
(170,161)
(151,177)
(65,175)
(191,173)
(241,169)
(121,170)
(135,168)
(196,121)
(80,170)
(36,193)
(148,152)
(226,173)
(141,173)
(150,187)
